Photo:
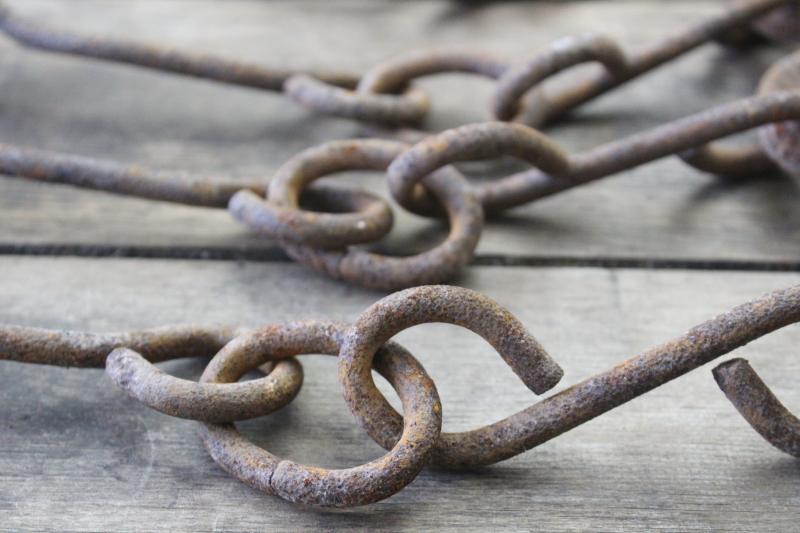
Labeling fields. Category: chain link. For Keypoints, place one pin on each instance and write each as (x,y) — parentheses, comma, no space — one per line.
(421,178)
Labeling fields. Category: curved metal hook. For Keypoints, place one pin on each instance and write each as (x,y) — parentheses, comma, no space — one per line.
(758,405)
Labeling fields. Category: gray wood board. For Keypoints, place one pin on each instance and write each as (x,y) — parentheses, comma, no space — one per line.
(664,210)
(77,454)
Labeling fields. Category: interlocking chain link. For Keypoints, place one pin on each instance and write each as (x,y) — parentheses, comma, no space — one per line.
(414,439)
(421,178)
(420,174)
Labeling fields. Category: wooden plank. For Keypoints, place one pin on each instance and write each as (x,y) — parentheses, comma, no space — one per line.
(77,454)
(664,210)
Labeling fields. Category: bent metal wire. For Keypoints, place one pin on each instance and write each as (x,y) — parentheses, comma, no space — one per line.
(413,439)
(422,180)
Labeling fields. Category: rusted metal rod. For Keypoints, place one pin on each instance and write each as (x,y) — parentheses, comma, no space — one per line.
(601,393)
(29,33)
(128,180)
(557,103)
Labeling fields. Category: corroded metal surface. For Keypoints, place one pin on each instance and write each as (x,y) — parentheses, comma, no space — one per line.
(281,216)
(758,405)
(298,483)
(324,231)
(413,439)
(209,402)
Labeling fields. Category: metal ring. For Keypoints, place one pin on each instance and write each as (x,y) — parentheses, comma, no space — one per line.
(449,189)
(563,53)
(281,217)
(209,402)
(393,75)
(453,305)
(472,142)
(323,97)
(378,96)
(360,485)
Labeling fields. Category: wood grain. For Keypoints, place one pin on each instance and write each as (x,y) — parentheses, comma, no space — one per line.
(77,454)
(664,210)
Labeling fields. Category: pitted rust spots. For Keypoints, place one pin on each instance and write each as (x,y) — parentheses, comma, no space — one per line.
(447,187)
(77,349)
(420,305)
(781,140)
(415,439)
(209,402)
(360,485)
(758,405)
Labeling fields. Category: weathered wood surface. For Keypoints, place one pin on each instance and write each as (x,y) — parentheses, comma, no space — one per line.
(77,454)
(664,210)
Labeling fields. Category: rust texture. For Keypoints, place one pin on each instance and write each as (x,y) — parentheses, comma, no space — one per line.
(209,402)
(413,439)
(324,227)
(298,483)
(447,187)
(558,171)
(758,405)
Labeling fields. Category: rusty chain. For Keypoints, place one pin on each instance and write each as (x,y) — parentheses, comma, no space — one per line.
(324,233)
(421,178)
(414,439)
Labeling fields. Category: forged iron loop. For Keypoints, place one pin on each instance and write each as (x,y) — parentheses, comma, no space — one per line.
(564,410)
(330,92)
(452,305)
(176,187)
(379,96)
(758,405)
(558,171)
(469,143)
(518,95)
(128,359)
(281,217)
(349,487)
(416,439)
(29,33)
(553,104)
(563,53)
(209,402)
(407,108)
(447,186)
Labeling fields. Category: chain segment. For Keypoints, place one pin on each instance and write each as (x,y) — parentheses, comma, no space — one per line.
(414,439)
(325,229)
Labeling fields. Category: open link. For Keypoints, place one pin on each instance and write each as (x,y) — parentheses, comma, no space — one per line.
(421,180)
(414,439)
